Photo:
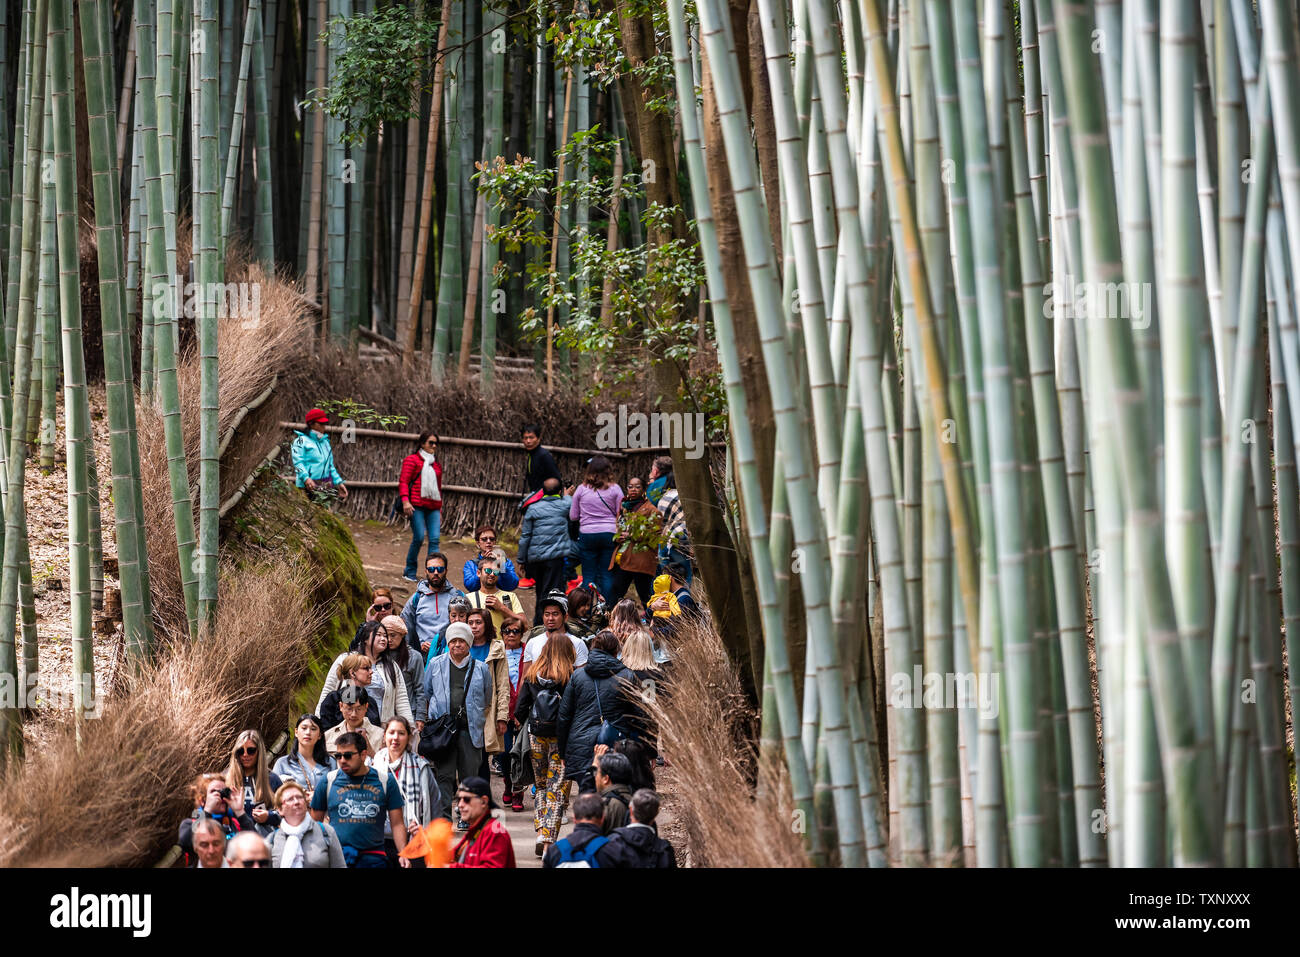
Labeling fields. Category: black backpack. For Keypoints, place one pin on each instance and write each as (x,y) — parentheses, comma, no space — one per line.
(545,714)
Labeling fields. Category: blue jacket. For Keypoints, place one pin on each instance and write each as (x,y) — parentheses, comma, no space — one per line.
(508,580)
(313,458)
(425,612)
(545,534)
(478,692)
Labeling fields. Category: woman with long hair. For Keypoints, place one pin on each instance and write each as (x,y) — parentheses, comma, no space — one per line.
(300,840)
(419,485)
(489,649)
(247,773)
(352,670)
(409,664)
(595,508)
(308,760)
(545,680)
(648,683)
(628,616)
(387,685)
(596,708)
(414,775)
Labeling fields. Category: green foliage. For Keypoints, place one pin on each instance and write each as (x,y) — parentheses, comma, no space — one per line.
(379,64)
(640,533)
(362,415)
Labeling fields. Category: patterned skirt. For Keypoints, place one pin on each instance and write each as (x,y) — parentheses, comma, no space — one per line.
(551,794)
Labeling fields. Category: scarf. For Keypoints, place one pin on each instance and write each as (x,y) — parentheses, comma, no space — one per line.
(408,779)
(293,855)
(429,479)
(656,489)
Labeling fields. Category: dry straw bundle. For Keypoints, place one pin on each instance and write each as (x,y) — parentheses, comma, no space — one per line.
(734,808)
(117,798)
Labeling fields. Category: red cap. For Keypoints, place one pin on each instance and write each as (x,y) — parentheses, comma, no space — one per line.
(316,415)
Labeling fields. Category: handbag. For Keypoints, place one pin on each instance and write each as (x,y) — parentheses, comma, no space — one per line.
(609,732)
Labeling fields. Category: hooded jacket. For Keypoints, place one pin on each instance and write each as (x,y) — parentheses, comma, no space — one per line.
(313,458)
(508,580)
(639,845)
(583,832)
(581,710)
(425,612)
(618,803)
(545,532)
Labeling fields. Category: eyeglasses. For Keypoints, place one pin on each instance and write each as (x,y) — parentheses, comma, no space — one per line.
(258,862)
(431,442)
(345,755)
(488,538)
(465,798)
(436,569)
(384,607)
(242,751)
(489,571)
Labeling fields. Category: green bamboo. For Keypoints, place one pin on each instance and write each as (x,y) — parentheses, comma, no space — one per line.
(264,228)
(210,267)
(251,19)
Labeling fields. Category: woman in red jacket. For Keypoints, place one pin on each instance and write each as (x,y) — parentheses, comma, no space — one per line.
(487,842)
(420,486)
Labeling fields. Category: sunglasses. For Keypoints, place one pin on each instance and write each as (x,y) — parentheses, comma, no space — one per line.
(509,631)
(246,751)
(258,862)
(431,442)
(489,571)
(345,755)
(436,569)
(383,607)
(487,538)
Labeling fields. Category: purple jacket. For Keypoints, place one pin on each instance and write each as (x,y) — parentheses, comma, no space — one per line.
(596,509)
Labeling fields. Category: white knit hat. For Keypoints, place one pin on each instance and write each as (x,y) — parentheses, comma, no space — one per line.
(459,629)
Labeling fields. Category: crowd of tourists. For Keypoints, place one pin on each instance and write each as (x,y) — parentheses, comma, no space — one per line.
(434,698)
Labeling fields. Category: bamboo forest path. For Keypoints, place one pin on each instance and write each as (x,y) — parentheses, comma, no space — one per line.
(383,553)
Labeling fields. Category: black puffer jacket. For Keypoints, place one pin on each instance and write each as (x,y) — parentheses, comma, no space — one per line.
(638,847)
(580,716)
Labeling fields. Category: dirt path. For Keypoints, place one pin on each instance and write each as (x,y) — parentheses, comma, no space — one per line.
(383,553)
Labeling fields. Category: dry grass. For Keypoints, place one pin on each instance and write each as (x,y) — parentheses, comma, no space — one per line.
(735,810)
(117,799)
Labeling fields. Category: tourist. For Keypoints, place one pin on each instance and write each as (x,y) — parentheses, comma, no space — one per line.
(538,704)
(414,776)
(358,800)
(582,612)
(485,536)
(555,610)
(425,612)
(301,840)
(457,610)
(387,683)
(544,543)
(353,669)
(613,780)
(512,637)
(662,491)
(595,709)
(672,597)
(313,459)
(248,850)
(214,800)
(486,842)
(247,772)
(420,487)
(308,760)
(631,565)
(381,605)
(540,464)
(409,664)
(595,508)
(491,650)
(460,688)
(638,844)
(626,617)
(641,759)
(209,844)
(638,657)
(586,845)
(353,702)
(503,605)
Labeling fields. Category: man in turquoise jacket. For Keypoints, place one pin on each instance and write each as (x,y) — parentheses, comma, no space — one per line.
(313,459)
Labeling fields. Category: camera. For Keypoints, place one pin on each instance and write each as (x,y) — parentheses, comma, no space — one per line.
(225,794)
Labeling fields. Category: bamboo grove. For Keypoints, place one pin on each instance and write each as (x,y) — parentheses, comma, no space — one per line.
(1029,334)
(1000,297)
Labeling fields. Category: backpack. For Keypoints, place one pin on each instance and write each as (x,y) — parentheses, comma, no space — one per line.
(585,856)
(545,714)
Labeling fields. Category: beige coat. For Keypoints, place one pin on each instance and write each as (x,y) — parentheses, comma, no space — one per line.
(499,668)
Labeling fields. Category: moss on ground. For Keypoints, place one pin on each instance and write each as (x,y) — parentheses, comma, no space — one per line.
(275,517)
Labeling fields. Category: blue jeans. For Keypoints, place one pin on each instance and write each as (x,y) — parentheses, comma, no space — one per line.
(595,549)
(423,521)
